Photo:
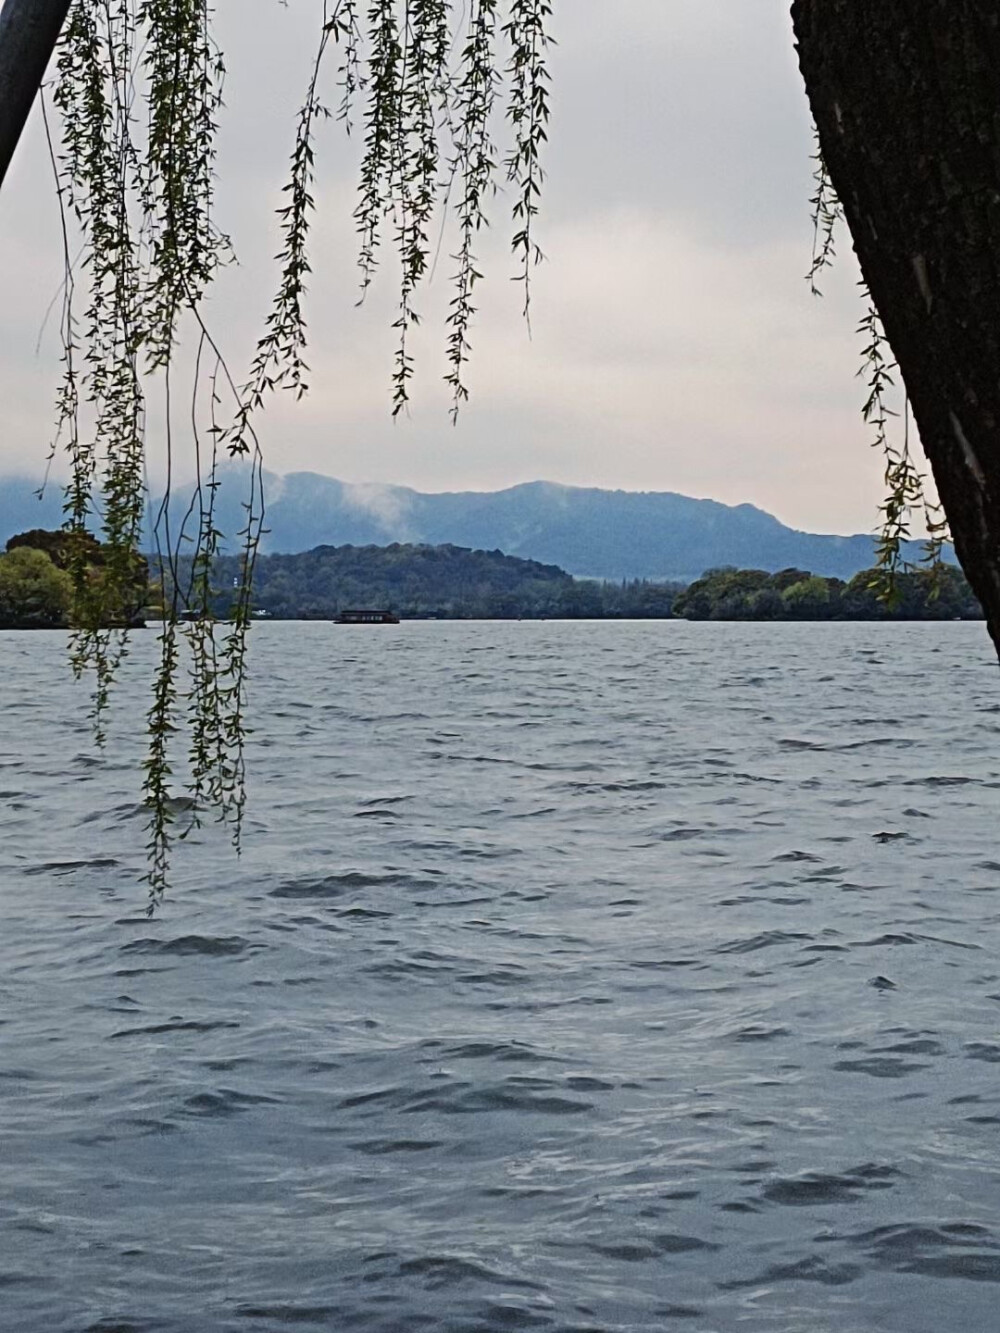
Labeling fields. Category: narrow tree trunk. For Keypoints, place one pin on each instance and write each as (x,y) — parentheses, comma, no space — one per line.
(906,97)
(29,30)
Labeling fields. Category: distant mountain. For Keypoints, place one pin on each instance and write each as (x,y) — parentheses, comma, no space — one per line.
(589,532)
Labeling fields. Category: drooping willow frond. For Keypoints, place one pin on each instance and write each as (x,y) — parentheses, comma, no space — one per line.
(139,93)
(474,164)
(905,485)
(827,214)
(528,113)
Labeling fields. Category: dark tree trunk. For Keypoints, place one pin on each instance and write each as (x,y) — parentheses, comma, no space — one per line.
(906,97)
(29,30)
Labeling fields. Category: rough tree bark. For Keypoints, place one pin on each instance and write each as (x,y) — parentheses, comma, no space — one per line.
(906,98)
(29,30)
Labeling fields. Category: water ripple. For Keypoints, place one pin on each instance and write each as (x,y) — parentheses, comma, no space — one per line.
(593,978)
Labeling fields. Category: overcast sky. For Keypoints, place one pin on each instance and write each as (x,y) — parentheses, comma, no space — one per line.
(675,344)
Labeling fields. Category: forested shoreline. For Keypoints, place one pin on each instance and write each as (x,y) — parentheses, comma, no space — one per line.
(433,583)
(938,593)
(455,583)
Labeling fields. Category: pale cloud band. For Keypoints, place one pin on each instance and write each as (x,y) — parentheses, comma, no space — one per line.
(675,345)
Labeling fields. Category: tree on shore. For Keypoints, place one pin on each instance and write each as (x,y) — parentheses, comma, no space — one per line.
(34,593)
(904,95)
(96,609)
(796,594)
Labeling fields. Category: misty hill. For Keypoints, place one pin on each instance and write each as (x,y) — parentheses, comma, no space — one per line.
(587,531)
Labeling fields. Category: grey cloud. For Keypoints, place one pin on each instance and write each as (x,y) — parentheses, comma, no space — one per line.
(675,346)
(689,110)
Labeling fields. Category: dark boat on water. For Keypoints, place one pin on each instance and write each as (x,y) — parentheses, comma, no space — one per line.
(365,616)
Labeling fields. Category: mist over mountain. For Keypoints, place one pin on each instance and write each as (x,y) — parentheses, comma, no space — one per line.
(585,530)
(21,509)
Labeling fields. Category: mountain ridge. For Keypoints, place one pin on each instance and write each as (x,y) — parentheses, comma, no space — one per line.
(588,531)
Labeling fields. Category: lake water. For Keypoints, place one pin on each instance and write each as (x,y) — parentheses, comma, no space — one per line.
(576,976)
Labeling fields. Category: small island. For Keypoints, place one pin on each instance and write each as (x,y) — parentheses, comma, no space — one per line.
(940,592)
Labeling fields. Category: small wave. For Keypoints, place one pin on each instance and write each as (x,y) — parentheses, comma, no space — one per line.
(626,1253)
(449,1270)
(148,1126)
(511,975)
(809,1269)
(765,940)
(634,785)
(186,945)
(388,1096)
(110,1324)
(387,1147)
(175,1025)
(666,964)
(878,1066)
(287,1312)
(499,1050)
(913,1046)
(952,1249)
(175,805)
(673,1242)
(68,867)
(526,1096)
(816,1187)
(893,938)
(983,1050)
(412,969)
(902,742)
(333,886)
(493,1317)
(681,834)
(650,1246)
(595,787)
(759,1032)
(225,1102)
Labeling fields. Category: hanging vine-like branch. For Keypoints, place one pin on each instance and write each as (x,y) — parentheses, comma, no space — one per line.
(905,485)
(139,95)
(827,215)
